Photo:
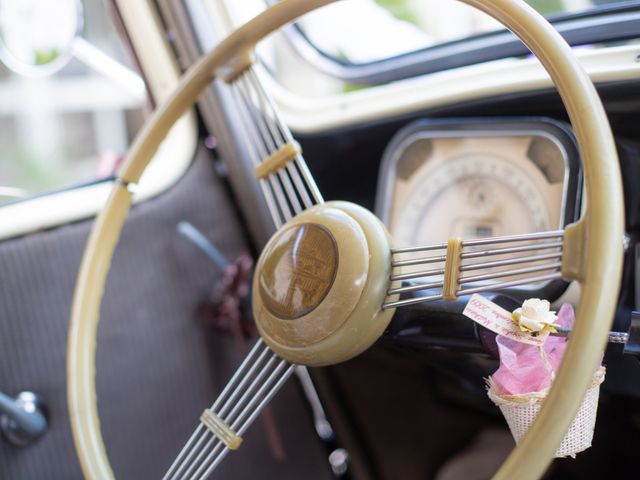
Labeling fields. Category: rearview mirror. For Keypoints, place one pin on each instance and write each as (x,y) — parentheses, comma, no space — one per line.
(37,36)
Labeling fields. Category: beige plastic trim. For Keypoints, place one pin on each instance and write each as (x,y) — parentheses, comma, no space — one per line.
(573,252)
(451,283)
(308,115)
(239,64)
(85,311)
(602,237)
(278,159)
(220,429)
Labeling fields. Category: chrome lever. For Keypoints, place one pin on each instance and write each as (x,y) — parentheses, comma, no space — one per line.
(22,419)
(320,421)
(614,337)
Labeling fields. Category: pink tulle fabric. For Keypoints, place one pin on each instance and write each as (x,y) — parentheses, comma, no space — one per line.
(523,368)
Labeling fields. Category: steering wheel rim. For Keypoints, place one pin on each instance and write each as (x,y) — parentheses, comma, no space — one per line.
(592,247)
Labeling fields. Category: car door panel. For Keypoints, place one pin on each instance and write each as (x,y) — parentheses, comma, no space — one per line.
(157,366)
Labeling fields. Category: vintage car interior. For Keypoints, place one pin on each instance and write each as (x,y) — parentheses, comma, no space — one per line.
(239,239)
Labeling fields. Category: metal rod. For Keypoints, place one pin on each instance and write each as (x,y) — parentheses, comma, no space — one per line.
(278,137)
(207,437)
(240,411)
(225,391)
(411,301)
(263,149)
(511,261)
(513,238)
(228,400)
(249,129)
(250,420)
(227,404)
(286,133)
(274,389)
(213,459)
(291,191)
(509,273)
(255,157)
(614,337)
(269,142)
(320,421)
(198,449)
(281,197)
(418,261)
(189,231)
(235,423)
(414,288)
(294,173)
(282,126)
(267,107)
(424,248)
(479,242)
(246,396)
(503,251)
(424,273)
(249,393)
(259,111)
(513,283)
(311,183)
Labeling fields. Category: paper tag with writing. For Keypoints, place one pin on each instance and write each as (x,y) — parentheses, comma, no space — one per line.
(498,320)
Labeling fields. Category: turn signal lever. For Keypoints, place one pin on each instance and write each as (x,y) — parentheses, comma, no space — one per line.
(22,419)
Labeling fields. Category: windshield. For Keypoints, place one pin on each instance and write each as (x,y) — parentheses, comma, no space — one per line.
(363,31)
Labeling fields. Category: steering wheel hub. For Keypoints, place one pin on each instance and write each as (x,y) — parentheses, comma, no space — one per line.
(314,280)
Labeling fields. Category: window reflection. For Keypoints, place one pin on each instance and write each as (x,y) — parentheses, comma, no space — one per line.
(75,125)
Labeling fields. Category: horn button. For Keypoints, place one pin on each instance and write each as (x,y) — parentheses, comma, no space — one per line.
(299,270)
(315,297)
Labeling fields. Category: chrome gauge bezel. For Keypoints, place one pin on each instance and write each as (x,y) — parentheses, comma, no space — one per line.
(559,133)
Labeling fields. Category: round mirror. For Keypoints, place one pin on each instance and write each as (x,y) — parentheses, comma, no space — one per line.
(37,36)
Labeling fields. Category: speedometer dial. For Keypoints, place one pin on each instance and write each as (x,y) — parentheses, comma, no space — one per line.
(478,178)
(471,196)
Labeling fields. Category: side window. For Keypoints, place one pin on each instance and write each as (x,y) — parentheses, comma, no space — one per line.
(70,100)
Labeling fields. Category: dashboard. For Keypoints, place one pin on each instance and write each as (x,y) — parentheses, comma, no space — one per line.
(514,156)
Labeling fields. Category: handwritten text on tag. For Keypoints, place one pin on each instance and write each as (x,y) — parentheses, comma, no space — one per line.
(498,320)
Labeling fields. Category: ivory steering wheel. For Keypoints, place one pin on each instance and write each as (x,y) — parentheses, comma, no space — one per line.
(339,312)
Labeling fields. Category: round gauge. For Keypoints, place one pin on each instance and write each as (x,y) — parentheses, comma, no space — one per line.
(477,178)
(471,196)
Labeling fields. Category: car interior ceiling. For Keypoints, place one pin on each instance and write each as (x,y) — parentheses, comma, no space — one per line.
(413,406)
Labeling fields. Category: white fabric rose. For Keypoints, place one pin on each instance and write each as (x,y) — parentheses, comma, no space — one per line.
(535,316)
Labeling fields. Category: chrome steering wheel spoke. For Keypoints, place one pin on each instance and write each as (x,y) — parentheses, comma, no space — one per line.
(463,267)
(288,189)
(287,184)
(250,389)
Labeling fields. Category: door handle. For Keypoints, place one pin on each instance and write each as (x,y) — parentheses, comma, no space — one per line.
(23,419)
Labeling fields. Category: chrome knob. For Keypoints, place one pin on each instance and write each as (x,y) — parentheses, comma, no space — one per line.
(22,419)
